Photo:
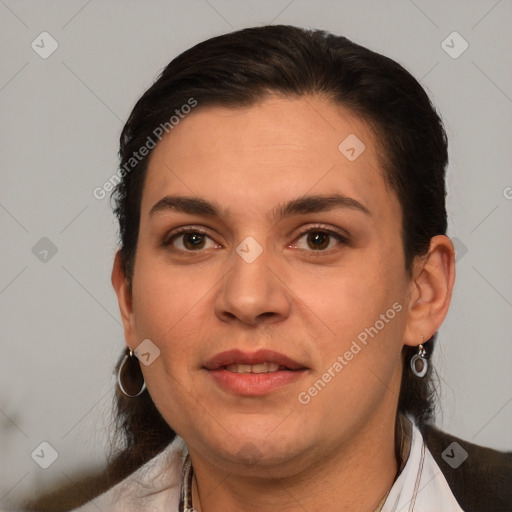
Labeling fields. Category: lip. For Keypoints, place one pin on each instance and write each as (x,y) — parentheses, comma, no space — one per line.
(260,356)
(253,384)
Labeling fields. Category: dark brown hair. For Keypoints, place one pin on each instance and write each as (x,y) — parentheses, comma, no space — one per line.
(240,68)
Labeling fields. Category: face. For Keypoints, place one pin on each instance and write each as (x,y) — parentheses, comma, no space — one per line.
(270,275)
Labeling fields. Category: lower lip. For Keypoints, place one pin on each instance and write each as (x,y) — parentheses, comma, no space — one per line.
(254,384)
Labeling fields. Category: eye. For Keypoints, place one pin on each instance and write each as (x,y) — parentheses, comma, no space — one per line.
(319,239)
(190,240)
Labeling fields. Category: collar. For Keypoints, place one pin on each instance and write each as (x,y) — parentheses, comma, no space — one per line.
(157,486)
(420,485)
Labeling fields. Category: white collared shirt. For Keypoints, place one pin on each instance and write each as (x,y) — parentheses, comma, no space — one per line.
(421,486)
(156,486)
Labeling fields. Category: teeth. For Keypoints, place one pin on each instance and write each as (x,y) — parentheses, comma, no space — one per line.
(253,368)
(244,368)
(259,368)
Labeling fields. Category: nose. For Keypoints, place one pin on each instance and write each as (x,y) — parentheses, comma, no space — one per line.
(253,291)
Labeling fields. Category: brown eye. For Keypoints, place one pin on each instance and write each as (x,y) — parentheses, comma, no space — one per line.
(188,241)
(318,240)
(193,241)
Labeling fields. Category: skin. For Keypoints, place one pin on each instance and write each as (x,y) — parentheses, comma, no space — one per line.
(307,304)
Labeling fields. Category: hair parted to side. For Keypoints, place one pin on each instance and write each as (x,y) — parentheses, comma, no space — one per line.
(240,68)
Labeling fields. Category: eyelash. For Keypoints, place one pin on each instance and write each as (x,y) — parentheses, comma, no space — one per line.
(314,229)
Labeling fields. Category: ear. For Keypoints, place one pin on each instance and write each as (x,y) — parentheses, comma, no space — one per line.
(430,290)
(124,297)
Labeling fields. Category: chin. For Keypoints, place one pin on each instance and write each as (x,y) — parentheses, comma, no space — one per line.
(259,447)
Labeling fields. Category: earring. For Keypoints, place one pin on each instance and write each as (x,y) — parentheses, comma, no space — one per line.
(419,364)
(129,376)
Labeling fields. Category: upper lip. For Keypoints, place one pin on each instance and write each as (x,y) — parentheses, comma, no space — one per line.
(236,356)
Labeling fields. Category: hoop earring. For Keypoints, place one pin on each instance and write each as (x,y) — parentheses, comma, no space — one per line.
(419,364)
(129,376)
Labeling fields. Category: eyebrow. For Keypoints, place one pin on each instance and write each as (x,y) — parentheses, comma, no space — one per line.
(299,206)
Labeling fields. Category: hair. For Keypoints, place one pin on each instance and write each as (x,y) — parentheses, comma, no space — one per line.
(240,68)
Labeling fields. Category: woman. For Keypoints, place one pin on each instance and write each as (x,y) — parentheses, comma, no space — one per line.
(283,271)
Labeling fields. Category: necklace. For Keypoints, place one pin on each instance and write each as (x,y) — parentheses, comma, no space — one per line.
(403,441)
(188,473)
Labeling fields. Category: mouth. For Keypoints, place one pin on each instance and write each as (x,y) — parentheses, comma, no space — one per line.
(265,367)
(261,361)
(253,374)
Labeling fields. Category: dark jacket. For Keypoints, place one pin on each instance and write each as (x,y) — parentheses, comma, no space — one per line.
(483,482)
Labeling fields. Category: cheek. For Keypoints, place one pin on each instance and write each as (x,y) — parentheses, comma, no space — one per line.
(166,298)
(167,305)
(169,311)
(353,296)
(360,319)
(360,314)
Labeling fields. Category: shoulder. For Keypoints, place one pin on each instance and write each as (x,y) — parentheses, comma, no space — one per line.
(154,486)
(479,477)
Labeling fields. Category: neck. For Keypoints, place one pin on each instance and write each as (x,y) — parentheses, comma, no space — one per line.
(356,477)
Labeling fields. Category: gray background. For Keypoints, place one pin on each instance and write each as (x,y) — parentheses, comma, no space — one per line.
(60,122)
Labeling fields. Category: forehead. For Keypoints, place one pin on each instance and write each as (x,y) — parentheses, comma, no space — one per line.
(251,158)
